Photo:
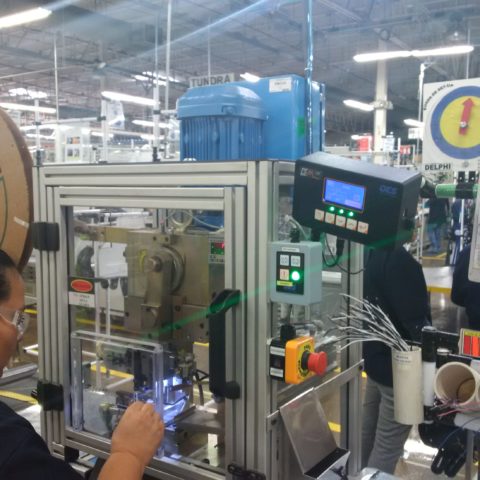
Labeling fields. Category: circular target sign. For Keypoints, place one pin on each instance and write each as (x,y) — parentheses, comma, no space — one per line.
(455,123)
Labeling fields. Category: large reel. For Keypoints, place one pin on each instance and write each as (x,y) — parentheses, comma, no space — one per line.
(16,197)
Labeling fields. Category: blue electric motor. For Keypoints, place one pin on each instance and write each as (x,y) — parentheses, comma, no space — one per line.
(221,122)
(250,121)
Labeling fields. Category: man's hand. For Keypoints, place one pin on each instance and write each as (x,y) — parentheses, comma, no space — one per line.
(138,433)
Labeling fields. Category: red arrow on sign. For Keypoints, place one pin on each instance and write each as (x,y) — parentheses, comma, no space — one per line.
(467,111)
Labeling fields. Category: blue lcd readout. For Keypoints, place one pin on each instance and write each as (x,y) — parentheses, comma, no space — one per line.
(344,194)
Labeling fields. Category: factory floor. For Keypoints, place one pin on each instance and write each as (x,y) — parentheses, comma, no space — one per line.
(415,463)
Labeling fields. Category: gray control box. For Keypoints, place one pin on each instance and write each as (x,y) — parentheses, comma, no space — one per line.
(296,272)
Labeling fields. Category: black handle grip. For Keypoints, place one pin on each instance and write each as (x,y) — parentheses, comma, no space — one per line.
(220,305)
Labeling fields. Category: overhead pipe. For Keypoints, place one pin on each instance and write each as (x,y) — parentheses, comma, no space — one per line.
(309,77)
(167,67)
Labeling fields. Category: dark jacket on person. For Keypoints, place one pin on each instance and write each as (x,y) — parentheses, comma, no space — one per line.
(394,281)
(23,453)
(464,292)
(439,209)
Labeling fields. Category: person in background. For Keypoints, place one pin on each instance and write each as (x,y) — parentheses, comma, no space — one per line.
(465,292)
(394,281)
(23,453)
(437,220)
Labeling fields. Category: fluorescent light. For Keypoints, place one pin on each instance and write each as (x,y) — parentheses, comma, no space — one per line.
(45,137)
(433,52)
(45,126)
(124,97)
(147,123)
(366,107)
(26,92)
(250,77)
(143,78)
(26,16)
(411,122)
(27,108)
(376,56)
(159,76)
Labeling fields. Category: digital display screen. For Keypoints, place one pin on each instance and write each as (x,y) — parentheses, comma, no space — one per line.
(344,194)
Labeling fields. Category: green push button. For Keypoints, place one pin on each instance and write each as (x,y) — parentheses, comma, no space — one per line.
(295,276)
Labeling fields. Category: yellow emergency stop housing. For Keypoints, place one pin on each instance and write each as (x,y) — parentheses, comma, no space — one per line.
(294,350)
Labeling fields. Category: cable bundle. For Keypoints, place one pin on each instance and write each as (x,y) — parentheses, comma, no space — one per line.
(367,323)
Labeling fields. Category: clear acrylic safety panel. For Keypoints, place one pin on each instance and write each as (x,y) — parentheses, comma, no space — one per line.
(108,374)
(150,275)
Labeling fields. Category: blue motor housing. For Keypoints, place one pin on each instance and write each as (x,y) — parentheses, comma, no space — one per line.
(284,98)
(250,120)
(221,122)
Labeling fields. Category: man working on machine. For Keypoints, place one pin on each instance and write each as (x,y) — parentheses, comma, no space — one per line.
(23,453)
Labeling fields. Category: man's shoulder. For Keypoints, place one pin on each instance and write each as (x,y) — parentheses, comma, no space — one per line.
(18,431)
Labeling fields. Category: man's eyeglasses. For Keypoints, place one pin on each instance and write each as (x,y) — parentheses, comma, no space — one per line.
(18,318)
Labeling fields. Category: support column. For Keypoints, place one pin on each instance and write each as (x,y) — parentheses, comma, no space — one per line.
(381,106)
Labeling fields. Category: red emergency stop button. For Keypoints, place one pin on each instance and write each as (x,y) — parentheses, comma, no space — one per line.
(315,362)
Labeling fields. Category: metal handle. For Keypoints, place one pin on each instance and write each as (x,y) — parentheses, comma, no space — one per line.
(220,305)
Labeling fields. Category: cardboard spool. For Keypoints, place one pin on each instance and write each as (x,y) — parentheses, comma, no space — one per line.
(16,197)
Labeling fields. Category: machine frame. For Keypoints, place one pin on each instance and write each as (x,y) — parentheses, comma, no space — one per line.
(248,193)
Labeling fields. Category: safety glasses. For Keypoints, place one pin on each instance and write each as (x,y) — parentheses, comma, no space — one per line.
(18,318)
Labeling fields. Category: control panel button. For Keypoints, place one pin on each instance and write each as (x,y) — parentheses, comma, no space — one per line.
(284,260)
(351,224)
(295,261)
(330,218)
(363,228)
(319,215)
(284,274)
(340,221)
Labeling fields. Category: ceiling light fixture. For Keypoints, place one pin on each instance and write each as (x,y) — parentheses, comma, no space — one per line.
(250,77)
(147,123)
(433,52)
(27,108)
(26,16)
(26,92)
(366,107)
(144,78)
(437,52)
(124,97)
(411,122)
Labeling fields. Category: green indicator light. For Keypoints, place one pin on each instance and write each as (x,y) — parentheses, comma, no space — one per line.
(332,209)
(295,276)
(341,211)
(350,214)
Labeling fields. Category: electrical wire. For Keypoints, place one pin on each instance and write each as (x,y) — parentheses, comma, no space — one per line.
(337,260)
(367,322)
(290,219)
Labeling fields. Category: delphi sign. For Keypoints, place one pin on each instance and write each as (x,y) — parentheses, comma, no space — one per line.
(212,80)
(451,140)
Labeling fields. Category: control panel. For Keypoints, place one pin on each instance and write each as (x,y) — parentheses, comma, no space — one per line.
(216,254)
(296,272)
(370,204)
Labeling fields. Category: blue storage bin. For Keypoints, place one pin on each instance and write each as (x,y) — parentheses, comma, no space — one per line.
(221,122)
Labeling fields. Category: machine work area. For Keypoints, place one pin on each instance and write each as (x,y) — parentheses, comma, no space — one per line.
(210,276)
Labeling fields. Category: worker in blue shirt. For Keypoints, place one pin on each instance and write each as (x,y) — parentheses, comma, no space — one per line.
(23,453)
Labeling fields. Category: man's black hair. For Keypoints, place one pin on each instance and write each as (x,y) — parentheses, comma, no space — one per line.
(6,264)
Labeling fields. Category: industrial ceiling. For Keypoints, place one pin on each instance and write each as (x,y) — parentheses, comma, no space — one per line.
(104,44)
